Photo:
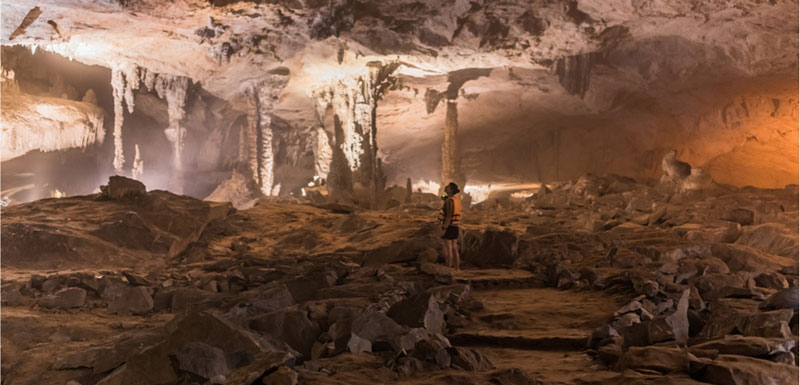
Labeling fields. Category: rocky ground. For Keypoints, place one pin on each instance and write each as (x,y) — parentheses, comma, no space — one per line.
(600,280)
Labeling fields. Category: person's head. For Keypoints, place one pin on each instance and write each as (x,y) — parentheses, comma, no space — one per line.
(451,189)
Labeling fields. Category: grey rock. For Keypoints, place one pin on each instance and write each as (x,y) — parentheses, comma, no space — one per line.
(290,326)
(490,248)
(420,310)
(772,280)
(741,216)
(131,300)
(659,358)
(748,346)
(468,359)
(729,369)
(784,299)
(282,376)
(13,297)
(120,187)
(154,365)
(265,362)
(52,284)
(67,298)
(203,360)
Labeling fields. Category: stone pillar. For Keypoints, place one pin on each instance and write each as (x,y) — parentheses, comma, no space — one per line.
(261,150)
(176,88)
(451,162)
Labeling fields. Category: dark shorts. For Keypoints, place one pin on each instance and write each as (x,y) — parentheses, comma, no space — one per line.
(451,233)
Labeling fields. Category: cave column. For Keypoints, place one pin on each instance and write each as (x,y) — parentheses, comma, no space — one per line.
(262,151)
(176,109)
(451,162)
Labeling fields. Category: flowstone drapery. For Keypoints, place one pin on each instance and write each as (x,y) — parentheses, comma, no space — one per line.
(353,99)
(125,79)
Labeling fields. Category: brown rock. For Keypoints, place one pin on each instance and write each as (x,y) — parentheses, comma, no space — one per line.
(67,298)
(120,187)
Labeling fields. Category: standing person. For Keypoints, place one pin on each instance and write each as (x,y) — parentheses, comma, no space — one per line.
(449,217)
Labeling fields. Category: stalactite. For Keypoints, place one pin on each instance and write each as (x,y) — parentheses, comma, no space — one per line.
(352,100)
(118,92)
(127,78)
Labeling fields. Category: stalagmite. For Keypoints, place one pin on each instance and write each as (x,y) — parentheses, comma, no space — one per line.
(138,164)
(322,154)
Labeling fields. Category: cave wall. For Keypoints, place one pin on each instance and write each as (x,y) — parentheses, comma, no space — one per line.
(561,88)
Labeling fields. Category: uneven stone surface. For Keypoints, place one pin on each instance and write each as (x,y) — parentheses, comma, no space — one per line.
(251,299)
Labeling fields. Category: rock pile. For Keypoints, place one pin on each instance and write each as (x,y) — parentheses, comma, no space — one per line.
(709,276)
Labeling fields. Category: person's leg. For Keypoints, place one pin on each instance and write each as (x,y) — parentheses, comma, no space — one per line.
(456,256)
(446,249)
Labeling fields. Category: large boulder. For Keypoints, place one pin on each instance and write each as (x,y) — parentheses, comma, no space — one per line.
(120,187)
(419,310)
(784,299)
(662,359)
(291,326)
(739,370)
(67,298)
(490,248)
(748,346)
(131,300)
(154,365)
(203,360)
(772,238)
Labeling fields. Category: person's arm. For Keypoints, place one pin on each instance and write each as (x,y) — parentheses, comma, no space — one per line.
(448,213)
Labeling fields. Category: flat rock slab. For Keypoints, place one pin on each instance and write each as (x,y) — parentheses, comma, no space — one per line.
(484,279)
(537,318)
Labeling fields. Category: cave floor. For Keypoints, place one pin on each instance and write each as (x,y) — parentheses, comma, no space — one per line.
(93,287)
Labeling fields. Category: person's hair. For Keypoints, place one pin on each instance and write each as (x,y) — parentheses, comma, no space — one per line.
(453,188)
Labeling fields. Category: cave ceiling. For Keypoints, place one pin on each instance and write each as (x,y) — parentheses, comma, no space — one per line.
(612,84)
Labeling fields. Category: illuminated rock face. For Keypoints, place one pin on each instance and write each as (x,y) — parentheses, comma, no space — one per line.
(543,91)
(33,122)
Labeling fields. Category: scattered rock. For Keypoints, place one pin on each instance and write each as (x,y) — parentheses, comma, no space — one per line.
(282,376)
(203,360)
(728,369)
(67,298)
(784,299)
(120,187)
(131,300)
(290,326)
(659,358)
(490,248)
(748,346)
(741,216)
(420,310)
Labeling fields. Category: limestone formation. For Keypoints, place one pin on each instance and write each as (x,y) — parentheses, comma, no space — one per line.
(629,175)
